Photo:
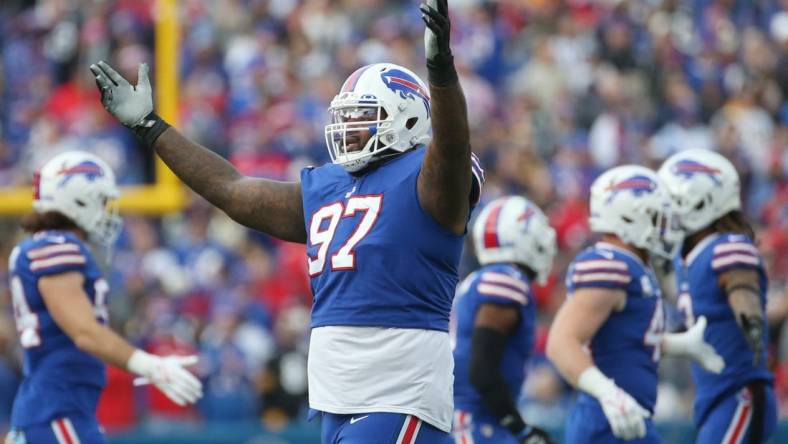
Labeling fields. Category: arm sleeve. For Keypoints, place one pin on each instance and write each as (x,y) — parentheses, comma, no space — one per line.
(487,348)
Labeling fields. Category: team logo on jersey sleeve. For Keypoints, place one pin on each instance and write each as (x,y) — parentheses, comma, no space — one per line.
(90,169)
(639,185)
(406,86)
(688,168)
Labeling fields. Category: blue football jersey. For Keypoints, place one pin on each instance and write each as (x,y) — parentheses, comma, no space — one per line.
(58,377)
(626,348)
(498,284)
(701,295)
(375,256)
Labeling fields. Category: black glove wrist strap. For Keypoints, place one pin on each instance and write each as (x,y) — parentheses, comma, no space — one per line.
(440,70)
(150,129)
(514,423)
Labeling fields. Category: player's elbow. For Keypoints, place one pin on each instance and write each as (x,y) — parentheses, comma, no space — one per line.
(553,348)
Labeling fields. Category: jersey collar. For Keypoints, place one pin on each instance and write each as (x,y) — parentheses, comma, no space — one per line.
(610,246)
(693,254)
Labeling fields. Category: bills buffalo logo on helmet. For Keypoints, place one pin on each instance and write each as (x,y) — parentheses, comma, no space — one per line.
(639,185)
(688,168)
(526,217)
(91,170)
(406,86)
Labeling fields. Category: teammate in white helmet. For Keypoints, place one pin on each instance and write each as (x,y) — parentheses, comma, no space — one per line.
(60,308)
(383,225)
(608,336)
(494,322)
(721,277)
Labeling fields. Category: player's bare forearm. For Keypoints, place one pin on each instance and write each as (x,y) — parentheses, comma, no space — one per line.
(568,356)
(577,321)
(444,183)
(743,289)
(103,343)
(71,310)
(269,206)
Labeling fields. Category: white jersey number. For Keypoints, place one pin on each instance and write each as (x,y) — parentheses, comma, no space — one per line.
(26,320)
(324,224)
(655,331)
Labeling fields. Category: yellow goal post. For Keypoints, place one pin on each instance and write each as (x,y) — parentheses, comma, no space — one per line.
(166,194)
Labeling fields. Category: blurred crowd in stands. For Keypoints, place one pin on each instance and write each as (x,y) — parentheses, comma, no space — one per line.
(557,92)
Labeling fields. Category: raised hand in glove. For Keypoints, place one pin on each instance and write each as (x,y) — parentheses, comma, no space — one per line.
(131,104)
(440,62)
(168,374)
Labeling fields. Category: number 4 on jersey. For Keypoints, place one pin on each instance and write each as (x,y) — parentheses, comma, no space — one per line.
(321,233)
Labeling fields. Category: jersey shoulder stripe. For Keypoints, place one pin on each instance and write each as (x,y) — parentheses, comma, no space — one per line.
(505,280)
(501,291)
(57,260)
(479,178)
(599,267)
(734,252)
(594,265)
(52,250)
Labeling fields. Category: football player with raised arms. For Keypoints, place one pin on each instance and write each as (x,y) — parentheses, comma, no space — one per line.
(721,277)
(494,322)
(383,226)
(60,308)
(614,308)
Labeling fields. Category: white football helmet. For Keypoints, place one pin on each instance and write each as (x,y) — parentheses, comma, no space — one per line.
(390,102)
(513,229)
(630,202)
(704,186)
(82,187)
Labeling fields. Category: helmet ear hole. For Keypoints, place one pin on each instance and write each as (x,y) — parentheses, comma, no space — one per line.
(79,202)
(627,219)
(700,205)
(410,123)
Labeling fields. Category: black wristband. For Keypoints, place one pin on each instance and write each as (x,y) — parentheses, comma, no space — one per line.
(441,71)
(150,129)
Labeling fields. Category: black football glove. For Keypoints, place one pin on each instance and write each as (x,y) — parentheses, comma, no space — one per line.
(534,435)
(440,62)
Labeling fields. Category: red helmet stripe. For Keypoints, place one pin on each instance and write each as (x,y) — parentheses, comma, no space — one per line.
(491,226)
(37,185)
(351,81)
